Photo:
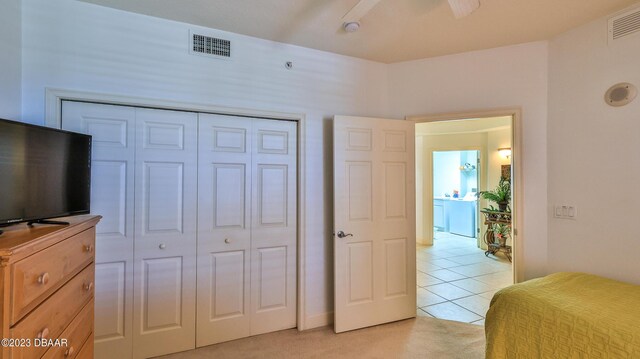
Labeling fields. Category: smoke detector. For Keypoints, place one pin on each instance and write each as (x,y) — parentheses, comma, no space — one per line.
(620,94)
(352,26)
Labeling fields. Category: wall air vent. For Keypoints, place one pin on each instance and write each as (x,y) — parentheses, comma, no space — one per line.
(624,24)
(210,46)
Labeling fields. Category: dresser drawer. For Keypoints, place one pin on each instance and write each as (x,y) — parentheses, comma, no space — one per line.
(39,274)
(76,335)
(51,318)
(86,352)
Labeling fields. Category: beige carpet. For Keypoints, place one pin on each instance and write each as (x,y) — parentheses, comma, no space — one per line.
(413,338)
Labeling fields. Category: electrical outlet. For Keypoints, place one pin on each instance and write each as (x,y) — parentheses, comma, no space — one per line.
(565,212)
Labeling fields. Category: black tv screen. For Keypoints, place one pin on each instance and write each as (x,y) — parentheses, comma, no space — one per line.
(44,173)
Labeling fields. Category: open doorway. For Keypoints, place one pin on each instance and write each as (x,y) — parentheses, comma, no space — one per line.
(458,268)
(455,180)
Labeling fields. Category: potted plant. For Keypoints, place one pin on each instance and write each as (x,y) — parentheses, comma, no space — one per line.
(500,233)
(500,195)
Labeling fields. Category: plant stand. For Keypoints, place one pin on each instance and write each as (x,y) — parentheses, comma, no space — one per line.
(493,244)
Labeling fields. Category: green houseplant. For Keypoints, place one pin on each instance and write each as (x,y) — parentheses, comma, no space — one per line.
(500,195)
(500,233)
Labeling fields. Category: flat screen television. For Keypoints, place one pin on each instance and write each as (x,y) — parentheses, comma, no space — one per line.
(44,173)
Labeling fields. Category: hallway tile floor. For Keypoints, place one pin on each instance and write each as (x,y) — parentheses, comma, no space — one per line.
(456,280)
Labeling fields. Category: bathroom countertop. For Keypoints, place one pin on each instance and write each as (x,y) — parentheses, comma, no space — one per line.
(456,199)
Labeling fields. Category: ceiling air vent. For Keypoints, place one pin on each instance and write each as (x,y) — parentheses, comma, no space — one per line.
(212,46)
(624,24)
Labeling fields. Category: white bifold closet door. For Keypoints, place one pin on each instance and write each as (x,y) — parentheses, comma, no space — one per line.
(246,227)
(146,164)
(144,184)
(165,232)
(112,184)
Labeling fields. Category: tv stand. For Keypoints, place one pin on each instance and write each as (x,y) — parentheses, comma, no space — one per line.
(46,221)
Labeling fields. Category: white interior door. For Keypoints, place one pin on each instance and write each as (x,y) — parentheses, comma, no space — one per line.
(374,206)
(112,180)
(224,228)
(246,227)
(165,230)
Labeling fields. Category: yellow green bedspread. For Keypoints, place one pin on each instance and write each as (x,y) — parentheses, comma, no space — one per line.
(565,315)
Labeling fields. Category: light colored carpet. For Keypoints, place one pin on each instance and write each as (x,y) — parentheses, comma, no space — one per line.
(421,337)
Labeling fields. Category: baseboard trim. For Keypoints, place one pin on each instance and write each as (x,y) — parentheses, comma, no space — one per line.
(318,320)
(423,241)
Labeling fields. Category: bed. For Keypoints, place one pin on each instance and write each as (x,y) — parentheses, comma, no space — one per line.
(565,315)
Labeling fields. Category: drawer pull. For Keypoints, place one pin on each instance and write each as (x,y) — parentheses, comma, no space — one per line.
(88,248)
(162,246)
(43,334)
(69,352)
(227,240)
(88,287)
(43,278)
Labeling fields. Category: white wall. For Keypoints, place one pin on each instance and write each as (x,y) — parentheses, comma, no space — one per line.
(497,139)
(78,46)
(446,170)
(10,59)
(468,179)
(595,164)
(488,79)
(422,236)
(447,175)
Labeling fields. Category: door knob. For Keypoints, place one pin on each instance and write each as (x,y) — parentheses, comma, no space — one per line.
(341,234)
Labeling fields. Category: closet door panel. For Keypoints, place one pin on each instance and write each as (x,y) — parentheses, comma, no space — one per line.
(161,293)
(224,228)
(162,212)
(112,185)
(274,227)
(165,229)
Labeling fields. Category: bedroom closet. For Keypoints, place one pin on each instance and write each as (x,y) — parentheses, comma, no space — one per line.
(198,239)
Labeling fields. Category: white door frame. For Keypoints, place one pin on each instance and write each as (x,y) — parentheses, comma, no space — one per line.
(53,118)
(516,161)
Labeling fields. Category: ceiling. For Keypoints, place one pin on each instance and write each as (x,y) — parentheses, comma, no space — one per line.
(393,31)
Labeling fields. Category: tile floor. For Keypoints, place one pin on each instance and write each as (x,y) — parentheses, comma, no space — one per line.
(456,280)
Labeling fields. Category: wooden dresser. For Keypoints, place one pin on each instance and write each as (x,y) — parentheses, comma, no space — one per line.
(46,284)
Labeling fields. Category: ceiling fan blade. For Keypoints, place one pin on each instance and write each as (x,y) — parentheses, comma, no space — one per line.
(462,8)
(359,10)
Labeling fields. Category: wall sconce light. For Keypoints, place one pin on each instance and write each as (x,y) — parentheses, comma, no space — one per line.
(505,152)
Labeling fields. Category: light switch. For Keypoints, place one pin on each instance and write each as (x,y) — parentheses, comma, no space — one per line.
(565,212)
